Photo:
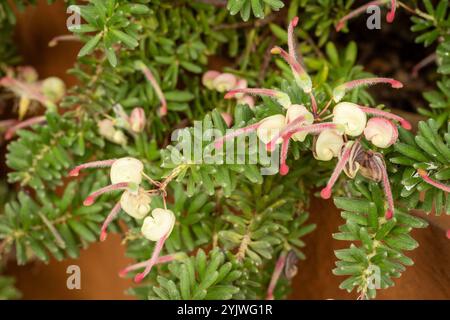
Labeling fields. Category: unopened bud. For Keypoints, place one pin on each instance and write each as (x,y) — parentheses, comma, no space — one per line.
(53,89)
(137,120)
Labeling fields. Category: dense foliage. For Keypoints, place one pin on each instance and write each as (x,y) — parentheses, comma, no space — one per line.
(238,234)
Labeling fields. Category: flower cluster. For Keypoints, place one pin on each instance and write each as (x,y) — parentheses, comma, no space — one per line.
(30,92)
(126,175)
(111,128)
(221,82)
(337,138)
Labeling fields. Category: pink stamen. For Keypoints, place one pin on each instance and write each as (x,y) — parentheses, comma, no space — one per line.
(65,37)
(30,90)
(23,124)
(149,75)
(253,91)
(371,81)
(291,38)
(391,14)
(218,143)
(326,192)
(297,121)
(113,187)
(387,189)
(163,259)
(111,216)
(404,123)
(95,164)
(153,260)
(357,12)
(275,276)
(300,74)
(312,128)
(424,175)
(284,168)
(313,103)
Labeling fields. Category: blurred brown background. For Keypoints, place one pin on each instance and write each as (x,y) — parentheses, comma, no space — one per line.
(100,263)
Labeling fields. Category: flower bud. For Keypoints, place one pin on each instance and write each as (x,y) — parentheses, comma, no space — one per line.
(240,84)
(126,170)
(106,129)
(328,145)
(224,82)
(248,100)
(28,74)
(351,117)
(295,111)
(270,127)
(159,224)
(136,205)
(53,88)
(137,120)
(208,78)
(119,137)
(381,132)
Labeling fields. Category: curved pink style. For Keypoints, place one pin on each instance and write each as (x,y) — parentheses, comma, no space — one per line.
(275,276)
(218,143)
(111,216)
(391,14)
(356,13)
(387,189)
(163,259)
(252,91)
(326,192)
(153,260)
(112,187)
(94,164)
(23,124)
(295,66)
(291,38)
(284,168)
(149,75)
(388,115)
(424,175)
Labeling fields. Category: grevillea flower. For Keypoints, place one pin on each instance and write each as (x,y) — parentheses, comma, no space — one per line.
(424,175)
(301,77)
(208,78)
(389,17)
(137,204)
(156,227)
(270,127)
(381,132)
(388,115)
(107,130)
(149,76)
(345,156)
(126,175)
(224,82)
(295,111)
(339,91)
(328,145)
(281,97)
(351,117)
(291,38)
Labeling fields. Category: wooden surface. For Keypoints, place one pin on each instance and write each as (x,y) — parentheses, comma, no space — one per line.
(428,279)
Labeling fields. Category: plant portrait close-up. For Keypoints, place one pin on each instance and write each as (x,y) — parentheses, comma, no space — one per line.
(225,150)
